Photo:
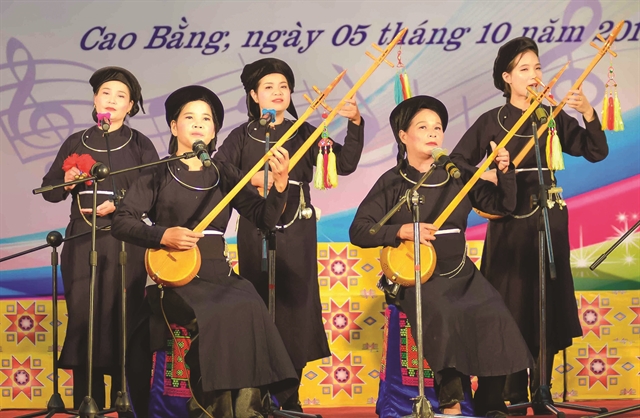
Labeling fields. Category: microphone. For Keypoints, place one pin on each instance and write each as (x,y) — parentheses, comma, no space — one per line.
(268,116)
(540,115)
(440,156)
(104,121)
(200,149)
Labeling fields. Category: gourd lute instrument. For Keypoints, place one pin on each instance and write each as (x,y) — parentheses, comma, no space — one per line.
(173,268)
(606,47)
(398,262)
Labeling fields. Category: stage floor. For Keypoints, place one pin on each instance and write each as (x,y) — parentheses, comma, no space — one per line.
(369,412)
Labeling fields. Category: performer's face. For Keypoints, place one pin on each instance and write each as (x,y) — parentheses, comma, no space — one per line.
(113,97)
(273,93)
(424,134)
(195,122)
(525,70)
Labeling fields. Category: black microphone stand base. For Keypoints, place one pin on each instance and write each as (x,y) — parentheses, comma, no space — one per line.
(123,406)
(54,406)
(272,411)
(422,409)
(618,412)
(88,408)
(542,404)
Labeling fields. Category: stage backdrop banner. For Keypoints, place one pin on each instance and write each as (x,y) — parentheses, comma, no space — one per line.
(48,51)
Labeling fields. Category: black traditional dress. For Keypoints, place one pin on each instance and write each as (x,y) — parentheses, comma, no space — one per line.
(298,309)
(129,148)
(238,345)
(466,325)
(510,255)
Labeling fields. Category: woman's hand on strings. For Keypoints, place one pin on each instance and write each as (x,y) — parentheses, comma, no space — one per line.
(179,238)
(258,179)
(279,165)
(102,209)
(578,101)
(427,232)
(350,111)
(502,158)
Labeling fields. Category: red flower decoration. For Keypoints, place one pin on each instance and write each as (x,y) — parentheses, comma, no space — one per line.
(82,162)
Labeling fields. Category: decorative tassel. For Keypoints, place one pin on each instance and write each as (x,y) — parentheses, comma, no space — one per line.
(319,180)
(406,86)
(332,174)
(611,113)
(326,172)
(618,123)
(402,87)
(605,106)
(555,160)
(398,91)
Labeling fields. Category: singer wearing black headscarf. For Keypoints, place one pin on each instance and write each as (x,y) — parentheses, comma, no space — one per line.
(115,91)
(468,329)
(510,255)
(238,350)
(269,83)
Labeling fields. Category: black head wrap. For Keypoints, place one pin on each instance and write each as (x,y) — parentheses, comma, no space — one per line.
(176,101)
(401,117)
(253,73)
(506,54)
(105,74)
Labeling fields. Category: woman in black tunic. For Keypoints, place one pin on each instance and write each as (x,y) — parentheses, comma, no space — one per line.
(238,349)
(467,328)
(510,255)
(269,83)
(117,92)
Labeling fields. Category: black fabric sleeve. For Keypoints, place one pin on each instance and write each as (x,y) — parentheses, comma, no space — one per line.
(264,213)
(141,198)
(589,142)
(375,205)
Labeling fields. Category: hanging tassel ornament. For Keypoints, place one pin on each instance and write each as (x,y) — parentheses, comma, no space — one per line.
(611,113)
(326,172)
(402,87)
(555,160)
(605,107)
(618,124)
(318,182)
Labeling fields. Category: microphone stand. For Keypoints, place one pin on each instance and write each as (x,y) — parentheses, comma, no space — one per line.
(54,239)
(593,267)
(88,408)
(542,400)
(613,247)
(269,239)
(421,406)
(269,265)
(122,403)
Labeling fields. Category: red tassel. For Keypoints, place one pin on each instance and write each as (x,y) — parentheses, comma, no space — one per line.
(325,163)
(610,114)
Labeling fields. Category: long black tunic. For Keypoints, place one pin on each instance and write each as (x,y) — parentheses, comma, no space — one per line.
(129,148)
(298,309)
(510,255)
(239,346)
(466,325)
